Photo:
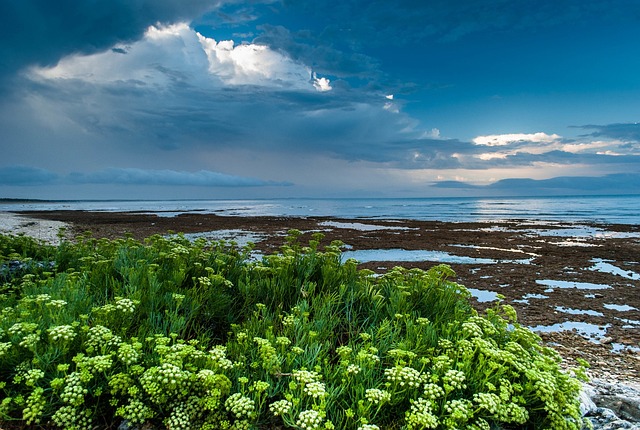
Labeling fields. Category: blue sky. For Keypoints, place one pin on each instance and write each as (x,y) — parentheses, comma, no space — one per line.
(229,99)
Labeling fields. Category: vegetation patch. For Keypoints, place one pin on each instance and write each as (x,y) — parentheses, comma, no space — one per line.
(169,333)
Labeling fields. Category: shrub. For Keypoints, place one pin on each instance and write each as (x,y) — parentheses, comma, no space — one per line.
(199,335)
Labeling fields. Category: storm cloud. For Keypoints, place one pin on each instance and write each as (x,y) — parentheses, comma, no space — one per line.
(291,96)
(41,32)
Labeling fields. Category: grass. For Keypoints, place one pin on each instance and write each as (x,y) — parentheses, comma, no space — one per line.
(174,334)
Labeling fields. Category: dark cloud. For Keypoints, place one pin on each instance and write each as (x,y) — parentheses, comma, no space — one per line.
(26,176)
(202,178)
(40,32)
(628,132)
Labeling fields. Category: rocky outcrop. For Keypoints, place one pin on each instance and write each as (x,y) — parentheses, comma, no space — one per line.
(611,406)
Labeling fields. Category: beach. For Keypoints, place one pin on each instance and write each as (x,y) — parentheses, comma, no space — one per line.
(575,284)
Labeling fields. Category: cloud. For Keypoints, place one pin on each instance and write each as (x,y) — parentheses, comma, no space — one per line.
(177,99)
(40,32)
(254,64)
(176,54)
(26,176)
(202,178)
(508,139)
(175,89)
(627,132)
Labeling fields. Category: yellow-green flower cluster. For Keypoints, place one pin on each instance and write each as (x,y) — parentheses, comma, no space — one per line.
(305,376)
(218,355)
(433,391)
(128,354)
(96,364)
(544,384)
(368,356)
(36,403)
(30,341)
(315,389)
(471,329)
(459,409)
(487,401)
(280,407)
(268,355)
(352,369)
(283,341)
(73,392)
(22,328)
(420,415)
(32,376)
(260,386)
(309,420)
(183,415)
(70,417)
(441,363)
(4,348)
(40,298)
(125,305)
(58,304)
(135,411)
(240,405)
(97,336)
(377,396)
(161,382)
(403,376)
(453,380)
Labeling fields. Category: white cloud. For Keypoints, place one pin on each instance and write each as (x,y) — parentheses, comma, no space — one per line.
(434,133)
(164,55)
(251,64)
(177,52)
(321,84)
(604,147)
(507,139)
(391,107)
(493,156)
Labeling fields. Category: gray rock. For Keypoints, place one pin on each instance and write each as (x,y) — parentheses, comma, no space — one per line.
(611,406)
(587,405)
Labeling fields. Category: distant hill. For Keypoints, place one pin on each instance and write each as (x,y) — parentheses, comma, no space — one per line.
(618,183)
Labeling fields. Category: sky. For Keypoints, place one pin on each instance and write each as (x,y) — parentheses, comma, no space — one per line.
(207,99)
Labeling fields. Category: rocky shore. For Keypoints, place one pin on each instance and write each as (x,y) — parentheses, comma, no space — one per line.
(576,285)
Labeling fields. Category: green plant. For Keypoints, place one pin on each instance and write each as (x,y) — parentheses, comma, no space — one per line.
(197,335)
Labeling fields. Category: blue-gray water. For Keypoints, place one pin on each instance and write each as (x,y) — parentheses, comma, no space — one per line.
(608,209)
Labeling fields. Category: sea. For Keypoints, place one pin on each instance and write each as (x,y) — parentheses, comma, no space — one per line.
(599,209)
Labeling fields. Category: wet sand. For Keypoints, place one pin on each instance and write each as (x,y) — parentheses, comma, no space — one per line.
(584,278)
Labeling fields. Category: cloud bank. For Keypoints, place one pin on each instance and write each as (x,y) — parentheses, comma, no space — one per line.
(31,176)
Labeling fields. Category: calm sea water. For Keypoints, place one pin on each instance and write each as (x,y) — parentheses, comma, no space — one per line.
(609,209)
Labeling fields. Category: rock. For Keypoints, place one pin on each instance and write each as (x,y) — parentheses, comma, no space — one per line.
(587,406)
(606,419)
(617,406)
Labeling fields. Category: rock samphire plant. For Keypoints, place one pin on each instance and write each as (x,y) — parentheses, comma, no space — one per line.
(175,334)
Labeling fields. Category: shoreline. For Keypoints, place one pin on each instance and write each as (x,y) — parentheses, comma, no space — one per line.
(555,274)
